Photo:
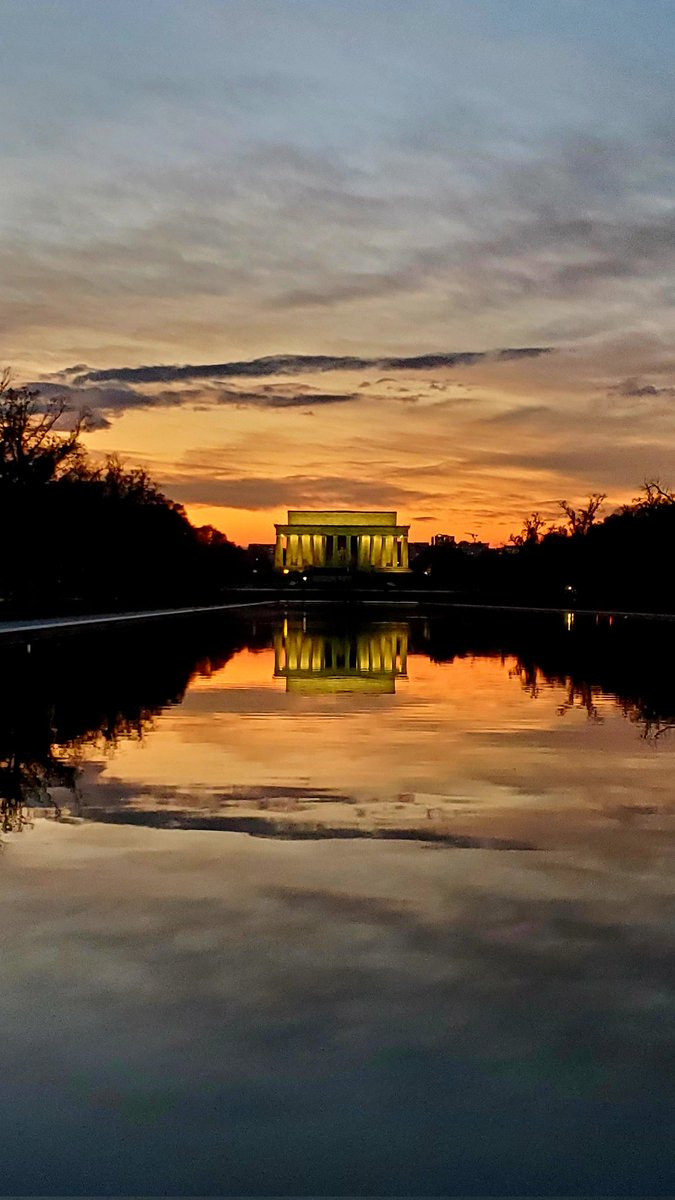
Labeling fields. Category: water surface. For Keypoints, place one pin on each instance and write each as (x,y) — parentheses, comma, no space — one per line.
(310,906)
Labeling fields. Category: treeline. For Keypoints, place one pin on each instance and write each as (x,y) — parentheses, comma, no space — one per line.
(619,562)
(78,534)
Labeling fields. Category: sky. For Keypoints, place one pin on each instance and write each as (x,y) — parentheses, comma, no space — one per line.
(386,254)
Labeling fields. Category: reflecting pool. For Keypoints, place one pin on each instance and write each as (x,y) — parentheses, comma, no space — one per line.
(311,905)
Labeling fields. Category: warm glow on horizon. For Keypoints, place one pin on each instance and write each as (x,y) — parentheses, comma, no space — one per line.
(283,274)
(426,445)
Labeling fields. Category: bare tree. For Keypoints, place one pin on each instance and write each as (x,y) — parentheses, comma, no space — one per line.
(32,448)
(531,532)
(581,520)
(655,495)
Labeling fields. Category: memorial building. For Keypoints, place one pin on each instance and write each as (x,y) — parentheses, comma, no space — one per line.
(341,541)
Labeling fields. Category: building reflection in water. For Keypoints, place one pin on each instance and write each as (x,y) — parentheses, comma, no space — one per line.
(315,658)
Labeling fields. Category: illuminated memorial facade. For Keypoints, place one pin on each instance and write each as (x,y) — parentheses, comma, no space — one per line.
(316,659)
(342,541)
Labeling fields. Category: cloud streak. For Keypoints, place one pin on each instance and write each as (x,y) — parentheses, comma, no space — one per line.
(257,493)
(295,364)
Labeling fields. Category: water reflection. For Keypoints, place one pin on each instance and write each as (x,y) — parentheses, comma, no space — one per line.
(459,731)
(426,1010)
(320,658)
(66,698)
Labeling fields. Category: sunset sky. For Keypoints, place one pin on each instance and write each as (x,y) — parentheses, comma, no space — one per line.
(447,227)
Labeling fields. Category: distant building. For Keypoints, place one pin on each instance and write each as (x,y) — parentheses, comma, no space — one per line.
(416,548)
(474,548)
(262,552)
(341,541)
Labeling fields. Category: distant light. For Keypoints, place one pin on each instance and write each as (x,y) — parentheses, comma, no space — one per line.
(285,570)
(304,579)
(569,588)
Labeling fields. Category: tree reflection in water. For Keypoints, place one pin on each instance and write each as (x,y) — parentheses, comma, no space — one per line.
(68,695)
(91,691)
(629,661)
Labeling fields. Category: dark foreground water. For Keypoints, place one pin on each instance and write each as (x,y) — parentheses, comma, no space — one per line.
(309,908)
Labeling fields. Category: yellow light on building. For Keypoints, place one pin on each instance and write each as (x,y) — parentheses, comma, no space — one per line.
(344,540)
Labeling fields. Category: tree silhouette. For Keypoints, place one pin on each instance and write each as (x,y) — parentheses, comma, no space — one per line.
(655,495)
(581,521)
(32,449)
(78,534)
(531,532)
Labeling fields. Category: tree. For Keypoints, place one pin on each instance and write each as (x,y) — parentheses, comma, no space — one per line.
(582,520)
(655,495)
(131,485)
(207,535)
(531,531)
(31,448)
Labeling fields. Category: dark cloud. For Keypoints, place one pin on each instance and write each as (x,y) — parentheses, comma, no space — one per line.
(296,364)
(634,388)
(109,393)
(101,403)
(265,398)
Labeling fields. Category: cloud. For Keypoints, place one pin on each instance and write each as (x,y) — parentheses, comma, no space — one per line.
(294,364)
(296,491)
(103,404)
(634,388)
(597,462)
(273,397)
(523,414)
(109,393)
